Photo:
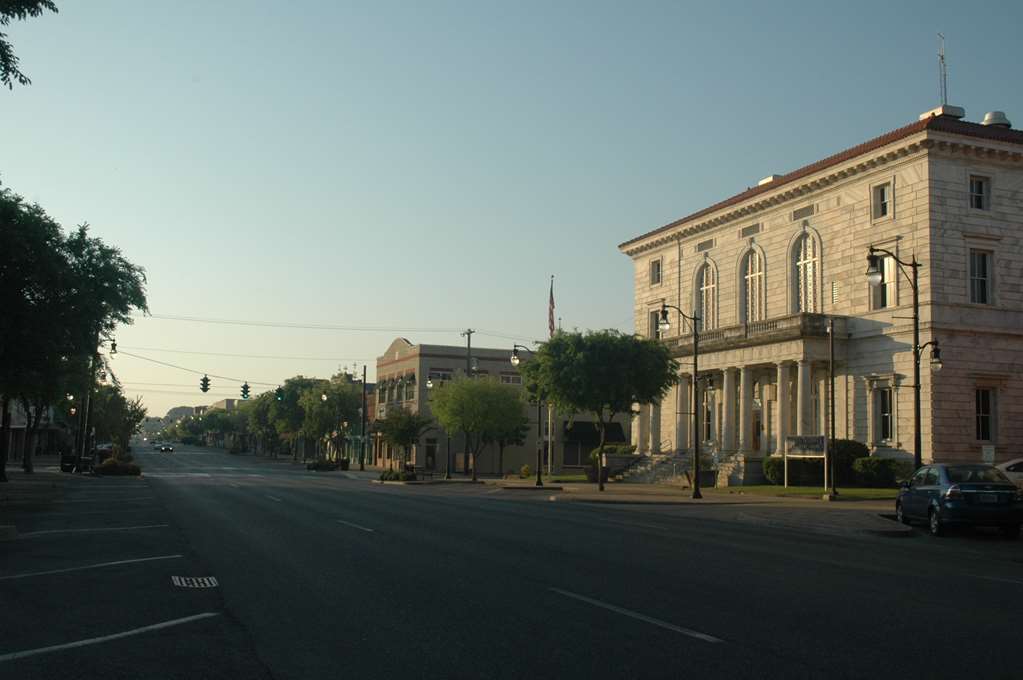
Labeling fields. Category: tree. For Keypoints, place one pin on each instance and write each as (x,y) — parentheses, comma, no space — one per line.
(260,422)
(403,428)
(115,417)
(324,417)
(511,428)
(17,9)
(600,372)
(287,414)
(484,410)
(61,297)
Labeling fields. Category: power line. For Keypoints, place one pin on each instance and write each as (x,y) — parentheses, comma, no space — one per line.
(192,370)
(245,356)
(322,327)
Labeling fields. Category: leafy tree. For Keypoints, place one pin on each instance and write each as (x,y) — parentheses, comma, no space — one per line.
(323,418)
(287,415)
(17,9)
(600,372)
(61,296)
(116,417)
(484,410)
(260,423)
(511,427)
(403,428)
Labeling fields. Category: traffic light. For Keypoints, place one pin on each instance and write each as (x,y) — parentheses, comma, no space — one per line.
(245,390)
(279,393)
(204,384)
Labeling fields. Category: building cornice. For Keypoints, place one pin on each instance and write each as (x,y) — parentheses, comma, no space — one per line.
(927,135)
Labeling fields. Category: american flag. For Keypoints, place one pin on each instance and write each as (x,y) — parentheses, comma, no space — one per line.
(550,309)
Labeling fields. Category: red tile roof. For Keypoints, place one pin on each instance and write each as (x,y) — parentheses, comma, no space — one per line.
(935,123)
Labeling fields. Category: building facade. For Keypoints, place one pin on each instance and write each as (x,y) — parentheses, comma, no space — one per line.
(403,372)
(769,270)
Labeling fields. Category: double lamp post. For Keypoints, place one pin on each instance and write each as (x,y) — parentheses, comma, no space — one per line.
(694,321)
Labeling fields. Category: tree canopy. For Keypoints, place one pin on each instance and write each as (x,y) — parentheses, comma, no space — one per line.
(484,409)
(20,10)
(403,428)
(600,372)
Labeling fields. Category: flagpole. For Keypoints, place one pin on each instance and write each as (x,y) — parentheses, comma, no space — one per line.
(550,407)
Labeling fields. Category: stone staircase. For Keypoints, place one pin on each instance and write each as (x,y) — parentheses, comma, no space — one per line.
(736,469)
(658,468)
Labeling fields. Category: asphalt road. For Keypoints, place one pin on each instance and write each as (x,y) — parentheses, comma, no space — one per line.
(325,575)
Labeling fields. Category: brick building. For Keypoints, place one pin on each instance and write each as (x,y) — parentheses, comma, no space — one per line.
(768,268)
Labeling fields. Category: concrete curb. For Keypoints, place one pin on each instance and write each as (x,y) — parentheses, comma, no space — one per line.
(523,487)
(423,482)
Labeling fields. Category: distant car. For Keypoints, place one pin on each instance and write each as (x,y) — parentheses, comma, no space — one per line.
(166,448)
(972,495)
(1013,469)
(156,446)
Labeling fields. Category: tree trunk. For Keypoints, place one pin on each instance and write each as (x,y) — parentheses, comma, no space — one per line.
(5,435)
(600,455)
(500,460)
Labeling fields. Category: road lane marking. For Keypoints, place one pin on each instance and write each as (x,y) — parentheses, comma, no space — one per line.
(641,617)
(107,500)
(1000,580)
(273,498)
(195,581)
(95,529)
(89,566)
(356,526)
(236,486)
(106,638)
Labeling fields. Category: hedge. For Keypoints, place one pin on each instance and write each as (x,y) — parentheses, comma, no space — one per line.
(876,472)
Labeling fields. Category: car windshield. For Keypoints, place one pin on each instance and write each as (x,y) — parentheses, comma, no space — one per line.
(975,473)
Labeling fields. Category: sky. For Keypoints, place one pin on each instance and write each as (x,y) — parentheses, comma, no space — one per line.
(417,168)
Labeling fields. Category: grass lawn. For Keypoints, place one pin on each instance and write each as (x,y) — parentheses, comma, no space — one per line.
(844,494)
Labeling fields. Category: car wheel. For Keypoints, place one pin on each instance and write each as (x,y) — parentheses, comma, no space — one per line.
(1011,531)
(934,523)
(900,514)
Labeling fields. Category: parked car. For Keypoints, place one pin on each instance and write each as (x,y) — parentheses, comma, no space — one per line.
(166,448)
(1013,469)
(969,494)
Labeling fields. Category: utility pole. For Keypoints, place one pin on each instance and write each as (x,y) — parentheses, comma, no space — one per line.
(362,449)
(467,334)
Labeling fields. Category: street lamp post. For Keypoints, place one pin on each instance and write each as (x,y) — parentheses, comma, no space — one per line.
(694,321)
(539,418)
(875,276)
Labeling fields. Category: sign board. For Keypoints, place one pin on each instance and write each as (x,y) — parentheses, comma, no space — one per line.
(812,445)
(987,454)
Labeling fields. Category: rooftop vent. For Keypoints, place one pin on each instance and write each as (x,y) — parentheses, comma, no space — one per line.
(996,119)
(768,180)
(944,110)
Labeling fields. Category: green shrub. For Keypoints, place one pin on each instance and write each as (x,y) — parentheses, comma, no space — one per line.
(113,466)
(397,476)
(525,472)
(802,471)
(875,472)
(847,451)
(321,465)
(904,469)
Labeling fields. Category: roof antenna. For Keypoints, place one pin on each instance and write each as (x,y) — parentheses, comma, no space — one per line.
(942,71)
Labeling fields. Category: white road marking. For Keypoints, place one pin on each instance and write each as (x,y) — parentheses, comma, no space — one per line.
(95,529)
(106,638)
(237,486)
(273,498)
(107,500)
(195,581)
(636,615)
(357,526)
(89,566)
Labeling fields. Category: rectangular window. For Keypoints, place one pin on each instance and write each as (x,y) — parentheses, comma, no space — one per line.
(655,272)
(704,246)
(985,408)
(980,193)
(511,379)
(883,404)
(653,320)
(440,374)
(751,230)
(980,276)
(883,295)
(882,201)
(802,213)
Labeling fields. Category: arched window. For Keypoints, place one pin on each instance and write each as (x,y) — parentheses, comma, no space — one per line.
(706,297)
(807,261)
(753,287)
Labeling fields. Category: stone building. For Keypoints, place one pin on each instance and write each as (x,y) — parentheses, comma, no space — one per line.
(403,372)
(767,270)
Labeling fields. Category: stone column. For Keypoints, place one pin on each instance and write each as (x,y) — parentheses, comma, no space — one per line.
(781,425)
(655,428)
(684,417)
(804,405)
(746,409)
(728,410)
(641,428)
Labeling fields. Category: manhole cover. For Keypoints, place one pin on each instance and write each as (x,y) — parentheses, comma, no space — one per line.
(194,581)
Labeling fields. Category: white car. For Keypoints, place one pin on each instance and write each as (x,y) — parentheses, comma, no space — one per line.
(1013,469)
